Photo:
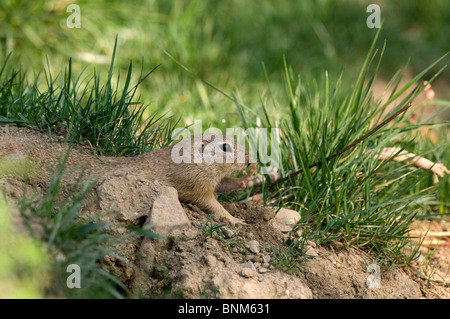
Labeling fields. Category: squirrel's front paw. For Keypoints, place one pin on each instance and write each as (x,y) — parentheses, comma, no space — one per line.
(249,177)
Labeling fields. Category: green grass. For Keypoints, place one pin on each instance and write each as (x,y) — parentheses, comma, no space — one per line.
(23,262)
(213,230)
(83,109)
(210,229)
(352,199)
(222,42)
(290,255)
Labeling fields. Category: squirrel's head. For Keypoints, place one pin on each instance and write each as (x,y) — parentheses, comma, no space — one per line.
(224,152)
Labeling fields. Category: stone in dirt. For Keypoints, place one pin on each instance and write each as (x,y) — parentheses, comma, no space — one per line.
(253,246)
(167,215)
(288,216)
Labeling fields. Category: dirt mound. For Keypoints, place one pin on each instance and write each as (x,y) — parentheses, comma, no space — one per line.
(195,266)
(200,259)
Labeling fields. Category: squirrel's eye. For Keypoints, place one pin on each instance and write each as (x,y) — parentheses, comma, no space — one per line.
(226,147)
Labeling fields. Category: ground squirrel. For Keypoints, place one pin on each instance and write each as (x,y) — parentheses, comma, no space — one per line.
(197,167)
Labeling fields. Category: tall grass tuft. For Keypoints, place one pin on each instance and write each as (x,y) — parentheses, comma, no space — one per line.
(354,199)
(83,109)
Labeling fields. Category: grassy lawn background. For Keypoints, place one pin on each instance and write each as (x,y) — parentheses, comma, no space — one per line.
(231,44)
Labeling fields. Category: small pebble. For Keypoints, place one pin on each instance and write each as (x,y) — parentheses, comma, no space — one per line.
(211,261)
(262,270)
(249,264)
(247,273)
(248,270)
(228,233)
(253,246)
(288,216)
